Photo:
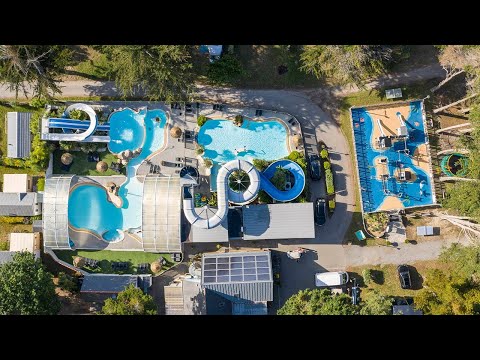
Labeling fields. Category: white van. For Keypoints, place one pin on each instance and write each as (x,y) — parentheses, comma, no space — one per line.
(326,279)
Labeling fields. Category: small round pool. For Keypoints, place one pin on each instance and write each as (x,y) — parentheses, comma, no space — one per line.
(127,131)
(113,235)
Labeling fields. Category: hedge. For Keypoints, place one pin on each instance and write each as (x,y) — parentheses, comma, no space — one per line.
(326,165)
(329,182)
(11,219)
(202,119)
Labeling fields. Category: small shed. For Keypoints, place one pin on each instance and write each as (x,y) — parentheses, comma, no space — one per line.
(19,138)
(25,242)
(393,93)
(424,230)
(17,183)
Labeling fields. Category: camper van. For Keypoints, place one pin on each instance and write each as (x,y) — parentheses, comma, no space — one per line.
(331,279)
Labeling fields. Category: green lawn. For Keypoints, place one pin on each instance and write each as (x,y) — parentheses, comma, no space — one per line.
(387,281)
(370,97)
(6,229)
(80,164)
(106,257)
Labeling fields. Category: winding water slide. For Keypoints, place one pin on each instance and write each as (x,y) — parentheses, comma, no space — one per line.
(70,124)
(258,181)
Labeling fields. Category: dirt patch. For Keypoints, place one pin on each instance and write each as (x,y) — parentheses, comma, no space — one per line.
(442,228)
(72,304)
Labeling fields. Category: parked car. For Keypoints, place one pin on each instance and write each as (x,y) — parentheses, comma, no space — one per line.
(328,279)
(314,167)
(320,214)
(404,276)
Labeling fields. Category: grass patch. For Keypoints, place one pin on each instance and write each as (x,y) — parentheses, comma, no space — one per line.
(81,166)
(370,97)
(106,257)
(6,229)
(385,278)
(95,66)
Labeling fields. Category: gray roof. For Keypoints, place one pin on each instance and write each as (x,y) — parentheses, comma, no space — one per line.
(239,276)
(405,310)
(18,134)
(108,283)
(424,230)
(278,221)
(19,204)
(6,256)
(259,308)
(216,234)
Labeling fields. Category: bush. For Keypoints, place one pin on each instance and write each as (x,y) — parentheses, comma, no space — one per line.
(38,102)
(4,246)
(324,154)
(279,178)
(67,282)
(264,198)
(202,119)
(302,162)
(260,164)
(329,182)
(226,70)
(331,205)
(11,219)
(208,163)
(326,165)
(294,155)
(27,220)
(367,276)
(68,145)
(41,184)
(88,147)
(78,115)
(13,162)
(238,120)
(199,150)
(213,199)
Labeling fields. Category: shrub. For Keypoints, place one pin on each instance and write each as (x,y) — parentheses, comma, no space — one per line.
(202,119)
(4,246)
(208,163)
(326,165)
(226,70)
(67,282)
(78,115)
(27,220)
(324,154)
(88,147)
(294,155)
(11,219)
(367,276)
(41,184)
(260,164)
(67,145)
(238,120)
(279,178)
(213,199)
(329,182)
(199,150)
(302,162)
(13,162)
(37,102)
(264,198)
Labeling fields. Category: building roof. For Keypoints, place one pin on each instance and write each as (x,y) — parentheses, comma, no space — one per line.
(110,283)
(18,134)
(22,242)
(239,276)
(405,310)
(173,295)
(185,298)
(19,204)
(6,256)
(425,230)
(55,212)
(15,183)
(216,234)
(161,210)
(243,308)
(278,221)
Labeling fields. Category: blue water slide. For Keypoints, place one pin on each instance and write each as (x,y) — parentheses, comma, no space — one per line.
(279,195)
(70,124)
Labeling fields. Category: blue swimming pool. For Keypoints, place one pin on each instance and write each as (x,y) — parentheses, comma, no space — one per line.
(84,214)
(391,193)
(253,140)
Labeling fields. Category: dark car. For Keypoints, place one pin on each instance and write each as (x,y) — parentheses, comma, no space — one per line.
(320,214)
(315,166)
(404,276)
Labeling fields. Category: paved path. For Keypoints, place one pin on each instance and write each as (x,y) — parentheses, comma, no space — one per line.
(404,254)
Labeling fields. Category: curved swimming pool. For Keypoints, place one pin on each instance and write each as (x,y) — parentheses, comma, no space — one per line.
(144,129)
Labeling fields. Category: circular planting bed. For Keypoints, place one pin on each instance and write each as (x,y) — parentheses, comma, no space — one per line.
(455,165)
(239,181)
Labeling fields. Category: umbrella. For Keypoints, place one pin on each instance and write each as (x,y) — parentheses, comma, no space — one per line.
(79,261)
(175,132)
(155,267)
(102,166)
(66,159)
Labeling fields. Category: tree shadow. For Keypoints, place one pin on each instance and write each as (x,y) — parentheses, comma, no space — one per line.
(358,278)
(378,276)
(416,277)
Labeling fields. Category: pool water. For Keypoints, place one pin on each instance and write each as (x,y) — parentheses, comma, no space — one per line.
(100,215)
(253,140)
(417,193)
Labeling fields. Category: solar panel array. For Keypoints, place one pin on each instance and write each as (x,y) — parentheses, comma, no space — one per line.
(241,268)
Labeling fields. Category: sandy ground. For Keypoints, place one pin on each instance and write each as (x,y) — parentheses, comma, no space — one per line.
(412,172)
(390,203)
(389,121)
(421,158)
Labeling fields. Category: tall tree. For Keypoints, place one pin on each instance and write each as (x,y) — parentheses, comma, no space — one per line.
(131,301)
(346,63)
(26,288)
(318,302)
(160,72)
(376,304)
(35,65)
